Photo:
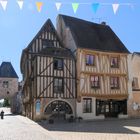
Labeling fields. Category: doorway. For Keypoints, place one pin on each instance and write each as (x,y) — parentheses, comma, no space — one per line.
(111,108)
(58,109)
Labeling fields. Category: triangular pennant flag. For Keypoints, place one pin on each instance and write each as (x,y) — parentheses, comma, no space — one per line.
(58,5)
(75,7)
(3,4)
(39,6)
(115,7)
(20,3)
(95,7)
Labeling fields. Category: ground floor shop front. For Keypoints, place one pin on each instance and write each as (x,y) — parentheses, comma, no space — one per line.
(89,108)
(50,108)
(95,108)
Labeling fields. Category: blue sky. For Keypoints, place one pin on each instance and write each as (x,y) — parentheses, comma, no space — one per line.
(18,27)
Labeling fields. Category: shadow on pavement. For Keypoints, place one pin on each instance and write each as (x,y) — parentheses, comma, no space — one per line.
(103,126)
(9,114)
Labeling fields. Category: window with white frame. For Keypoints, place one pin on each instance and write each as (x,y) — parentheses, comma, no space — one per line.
(87,105)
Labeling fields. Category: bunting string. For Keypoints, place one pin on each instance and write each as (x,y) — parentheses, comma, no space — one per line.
(94,6)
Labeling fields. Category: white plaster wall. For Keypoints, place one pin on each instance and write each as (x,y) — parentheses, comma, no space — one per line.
(130,75)
(134,96)
(88,116)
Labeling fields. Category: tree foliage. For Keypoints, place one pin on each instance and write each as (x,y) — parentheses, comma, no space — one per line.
(6,103)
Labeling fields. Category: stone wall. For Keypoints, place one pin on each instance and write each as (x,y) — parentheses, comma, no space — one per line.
(11,90)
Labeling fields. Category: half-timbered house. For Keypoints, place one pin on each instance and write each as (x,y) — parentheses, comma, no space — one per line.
(49,76)
(102,67)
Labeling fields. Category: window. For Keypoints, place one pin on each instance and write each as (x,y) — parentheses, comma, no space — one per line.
(87,102)
(114,82)
(58,85)
(58,63)
(47,43)
(95,82)
(5,84)
(90,60)
(114,62)
(135,82)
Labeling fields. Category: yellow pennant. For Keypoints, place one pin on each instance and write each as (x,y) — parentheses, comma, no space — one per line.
(39,6)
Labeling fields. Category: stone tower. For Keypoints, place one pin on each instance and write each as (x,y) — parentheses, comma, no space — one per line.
(8,81)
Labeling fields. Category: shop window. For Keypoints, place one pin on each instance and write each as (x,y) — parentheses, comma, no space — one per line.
(87,103)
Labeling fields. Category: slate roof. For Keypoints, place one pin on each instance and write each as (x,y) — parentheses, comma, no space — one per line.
(94,36)
(7,70)
(138,53)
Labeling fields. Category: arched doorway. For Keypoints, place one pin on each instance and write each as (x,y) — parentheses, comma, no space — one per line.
(58,110)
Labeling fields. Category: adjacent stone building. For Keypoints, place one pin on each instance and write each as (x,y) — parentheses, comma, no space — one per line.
(134,72)
(8,82)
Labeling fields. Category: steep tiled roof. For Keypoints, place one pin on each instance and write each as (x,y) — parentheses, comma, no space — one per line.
(94,36)
(7,70)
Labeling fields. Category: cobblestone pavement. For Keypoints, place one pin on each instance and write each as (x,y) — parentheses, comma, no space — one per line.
(22,128)
(112,129)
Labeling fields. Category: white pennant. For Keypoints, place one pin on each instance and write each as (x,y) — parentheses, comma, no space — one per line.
(58,5)
(3,4)
(115,7)
(20,3)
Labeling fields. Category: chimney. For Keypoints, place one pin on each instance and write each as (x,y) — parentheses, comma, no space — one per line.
(103,23)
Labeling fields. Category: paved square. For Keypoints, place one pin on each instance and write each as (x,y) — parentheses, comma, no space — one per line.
(22,128)
(113,129)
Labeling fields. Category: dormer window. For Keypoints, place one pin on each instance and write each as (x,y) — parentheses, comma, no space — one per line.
(90,60)
(114,63)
